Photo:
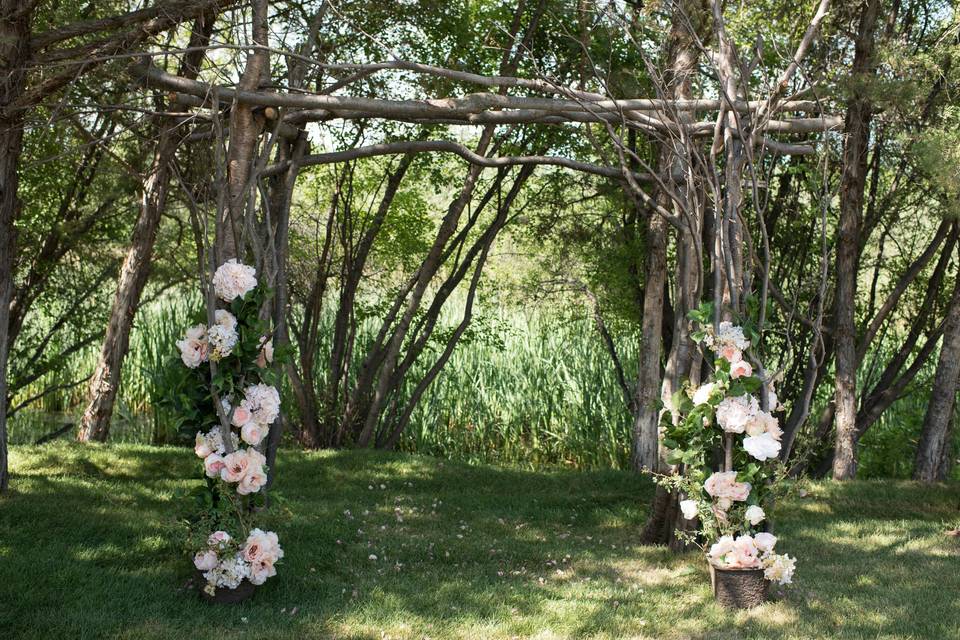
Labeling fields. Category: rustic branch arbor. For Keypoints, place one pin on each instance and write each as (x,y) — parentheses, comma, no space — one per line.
(710,152)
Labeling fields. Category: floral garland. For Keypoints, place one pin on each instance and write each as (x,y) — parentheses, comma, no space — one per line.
(239,353)
(726,415)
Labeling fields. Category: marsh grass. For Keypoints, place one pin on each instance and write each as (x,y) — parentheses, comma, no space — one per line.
(529,387)
(87,551)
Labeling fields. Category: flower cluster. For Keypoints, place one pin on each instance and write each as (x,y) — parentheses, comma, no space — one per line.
(232,429)
(202,344)
(226,564)
(244,467)
(753,552)
(732,412)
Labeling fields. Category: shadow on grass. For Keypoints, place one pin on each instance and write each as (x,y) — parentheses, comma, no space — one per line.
(408,546)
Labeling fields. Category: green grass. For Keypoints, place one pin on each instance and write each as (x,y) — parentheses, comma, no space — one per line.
(462,552)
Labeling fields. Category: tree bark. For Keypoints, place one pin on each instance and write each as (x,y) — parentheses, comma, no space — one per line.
(933,451)
(245,128)
(14,52)
(853,182)
(682,55)
(95,423)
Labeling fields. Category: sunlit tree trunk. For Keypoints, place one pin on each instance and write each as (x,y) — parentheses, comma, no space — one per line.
(95,423)
(853,181)
(933,451)
(14,51)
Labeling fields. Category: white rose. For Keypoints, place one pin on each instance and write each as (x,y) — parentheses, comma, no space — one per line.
(761,447)
(689,509)
(765,541)
(755,515)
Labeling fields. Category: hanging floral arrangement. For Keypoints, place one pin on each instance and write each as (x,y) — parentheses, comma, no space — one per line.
(225,395)
(724,439)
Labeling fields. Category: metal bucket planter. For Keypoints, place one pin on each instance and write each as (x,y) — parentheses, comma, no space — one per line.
(739,588)
(226,596)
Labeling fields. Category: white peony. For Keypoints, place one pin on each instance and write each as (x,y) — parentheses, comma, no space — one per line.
(702,394)
(762,447)
(689,509)
(755,515)
(233,280)
(263,402)
(734,414)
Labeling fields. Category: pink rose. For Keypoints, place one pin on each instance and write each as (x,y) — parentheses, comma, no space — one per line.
(241,416)
(252,482)
(262,546)
(266,352)
(261,570)
(730,353)
(744,554)
(213,464)
(205,561)
(201,447)
(740,368)
(235,466)
(252,433)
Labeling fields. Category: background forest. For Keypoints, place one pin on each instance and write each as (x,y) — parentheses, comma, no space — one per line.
(527,344)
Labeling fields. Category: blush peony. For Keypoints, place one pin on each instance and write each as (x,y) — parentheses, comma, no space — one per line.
(723,484)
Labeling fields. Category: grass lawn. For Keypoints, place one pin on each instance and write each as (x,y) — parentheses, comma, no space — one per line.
(460,552)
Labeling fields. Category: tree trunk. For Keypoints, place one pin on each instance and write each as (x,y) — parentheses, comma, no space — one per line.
(95,423)
(853,182)
(245,128)
(14,51)
(690,25)
(682,55)
(934,447)
(645,426)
